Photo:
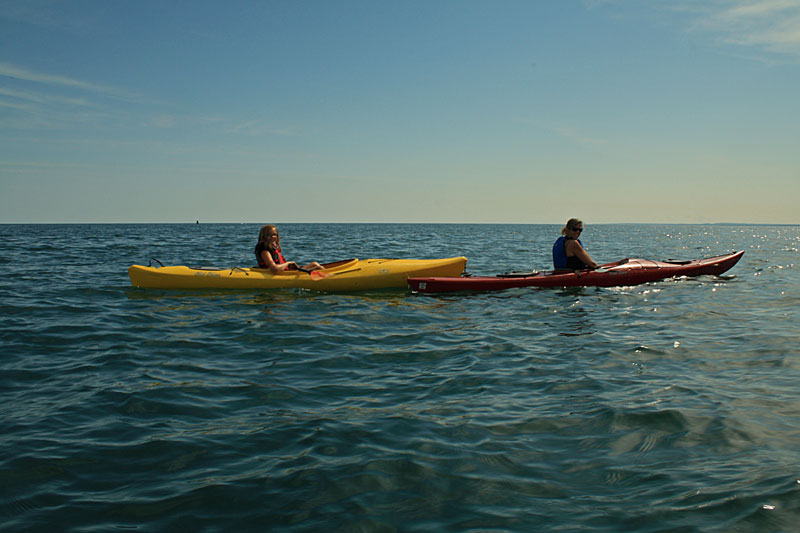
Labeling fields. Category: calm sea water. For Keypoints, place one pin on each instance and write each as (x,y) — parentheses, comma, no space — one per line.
(661,407)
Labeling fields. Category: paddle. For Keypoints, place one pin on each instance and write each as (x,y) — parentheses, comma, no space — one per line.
(318,275)
(315,274)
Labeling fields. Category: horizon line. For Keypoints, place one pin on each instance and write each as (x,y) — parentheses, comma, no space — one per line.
(197,222)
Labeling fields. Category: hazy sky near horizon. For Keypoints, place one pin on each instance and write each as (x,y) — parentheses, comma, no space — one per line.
(400,111)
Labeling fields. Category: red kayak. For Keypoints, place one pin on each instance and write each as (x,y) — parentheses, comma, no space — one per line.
(625,272)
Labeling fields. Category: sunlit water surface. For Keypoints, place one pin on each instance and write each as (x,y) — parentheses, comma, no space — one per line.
(667,406)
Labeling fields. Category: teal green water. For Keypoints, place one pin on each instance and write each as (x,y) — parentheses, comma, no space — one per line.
(662,407)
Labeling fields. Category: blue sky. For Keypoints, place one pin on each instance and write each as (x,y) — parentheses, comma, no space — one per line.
(400,111)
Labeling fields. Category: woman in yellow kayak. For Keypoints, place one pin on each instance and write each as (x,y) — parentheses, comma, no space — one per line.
(568,251)
(268,253)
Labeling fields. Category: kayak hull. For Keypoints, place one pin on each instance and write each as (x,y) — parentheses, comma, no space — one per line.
(621,273)
(342,276)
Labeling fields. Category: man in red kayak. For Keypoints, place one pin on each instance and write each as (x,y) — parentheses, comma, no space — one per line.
(568,251)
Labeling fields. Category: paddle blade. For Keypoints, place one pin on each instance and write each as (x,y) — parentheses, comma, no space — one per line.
(318,275)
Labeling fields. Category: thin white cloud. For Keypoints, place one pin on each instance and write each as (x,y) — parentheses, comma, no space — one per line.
(42,101)
(15,104)
(52,101)
(768,30)
(761,7)
(771,26)
(579,137)
(8,70)
(40,98)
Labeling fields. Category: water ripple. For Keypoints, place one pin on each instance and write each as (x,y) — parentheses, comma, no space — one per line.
(666,406)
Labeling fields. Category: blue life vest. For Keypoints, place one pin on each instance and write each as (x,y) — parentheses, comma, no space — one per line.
(560,259)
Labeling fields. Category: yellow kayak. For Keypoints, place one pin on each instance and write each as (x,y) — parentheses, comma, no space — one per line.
(349,275)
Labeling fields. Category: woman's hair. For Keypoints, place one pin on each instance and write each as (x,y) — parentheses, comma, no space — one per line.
(264,234)
(571,223)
